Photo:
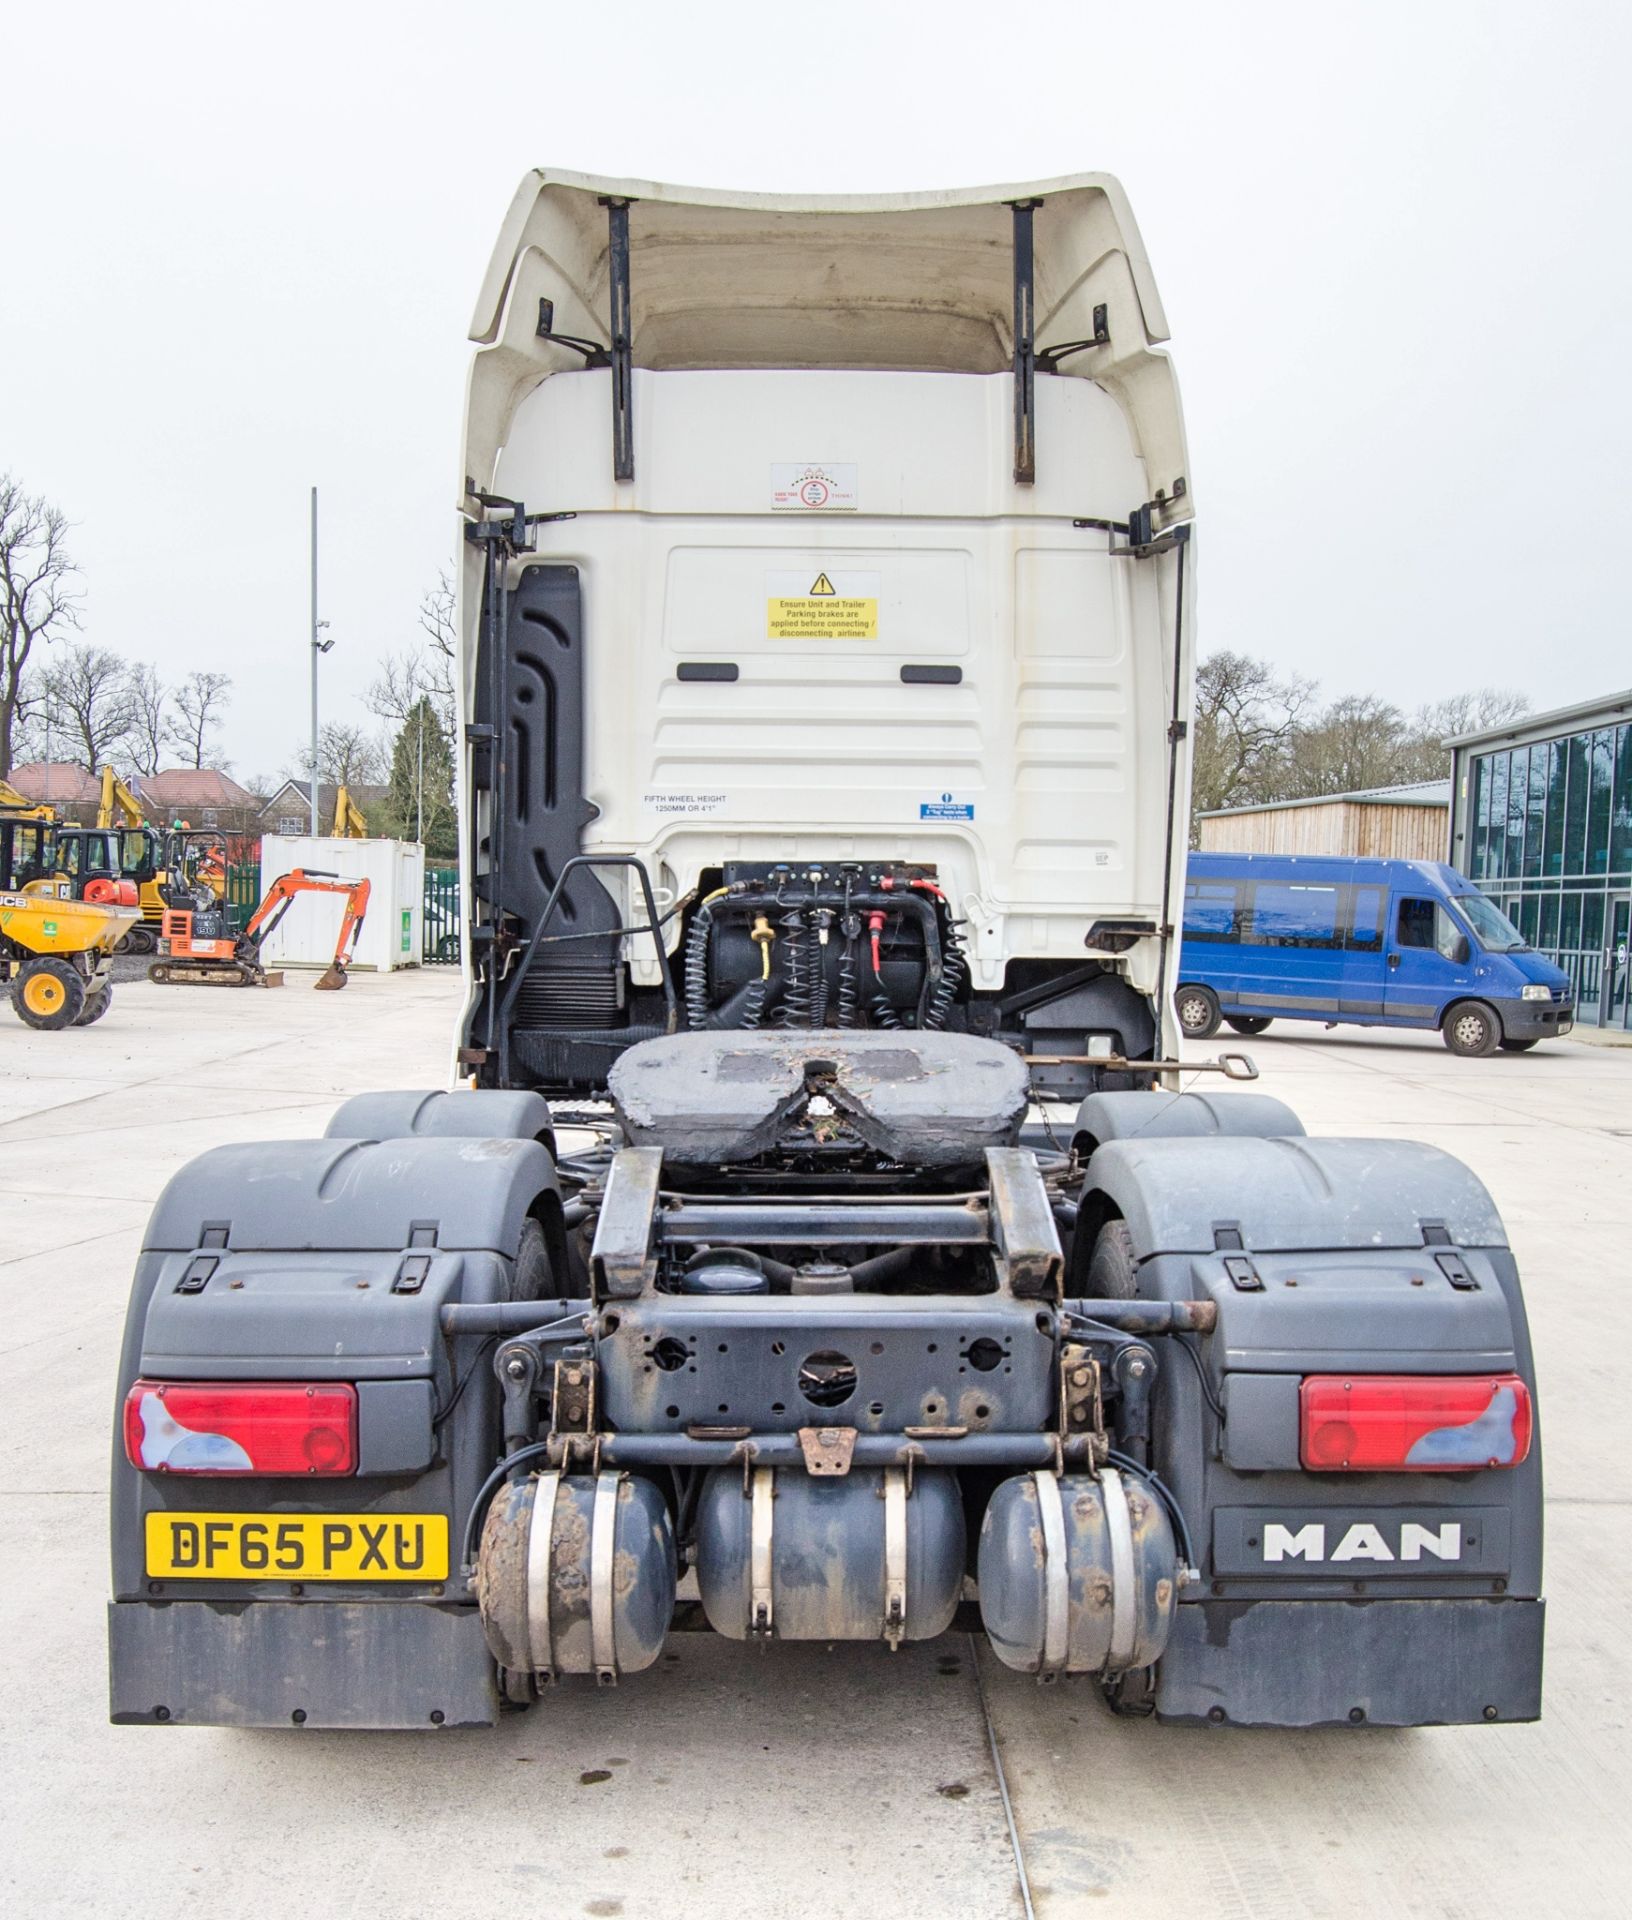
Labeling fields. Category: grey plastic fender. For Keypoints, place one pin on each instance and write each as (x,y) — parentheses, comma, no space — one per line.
(1155,1116)
(1290,1195)
(463,1114)
(350,1195)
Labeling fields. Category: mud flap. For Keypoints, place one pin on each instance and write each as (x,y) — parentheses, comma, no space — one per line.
(1384,1663)
(312,1664)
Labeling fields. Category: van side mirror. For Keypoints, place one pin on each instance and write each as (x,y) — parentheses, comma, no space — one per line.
(1460,951)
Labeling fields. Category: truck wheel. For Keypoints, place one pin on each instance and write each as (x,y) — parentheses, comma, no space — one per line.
(1197,1008)
(1519,1046)
(1111,1265)
(1245,1023)
(48,994)
(1472,1030)
(534,1278)
(96,1004)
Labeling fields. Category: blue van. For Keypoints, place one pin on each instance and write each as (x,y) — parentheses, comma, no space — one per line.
(1367,943)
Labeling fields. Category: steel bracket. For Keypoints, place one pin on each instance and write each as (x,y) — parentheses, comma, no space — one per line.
(827,1450)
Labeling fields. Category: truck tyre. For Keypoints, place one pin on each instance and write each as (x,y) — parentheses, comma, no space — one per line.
(1245,1023)
(1472,1029)
(1197,1010)
(1111,1265)
(48,994)
(96,1004)
(534,1277)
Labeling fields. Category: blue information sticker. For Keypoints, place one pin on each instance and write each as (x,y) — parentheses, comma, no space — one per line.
(946,808)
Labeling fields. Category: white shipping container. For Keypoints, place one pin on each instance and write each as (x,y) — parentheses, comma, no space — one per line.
(392,926)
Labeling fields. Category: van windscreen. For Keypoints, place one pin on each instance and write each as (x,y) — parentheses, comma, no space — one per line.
(1497,934)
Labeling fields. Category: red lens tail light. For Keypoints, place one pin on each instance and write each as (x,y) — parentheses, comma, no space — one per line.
(1413,1423)
(241,1427)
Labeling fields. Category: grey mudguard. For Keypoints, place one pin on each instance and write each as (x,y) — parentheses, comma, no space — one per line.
(1347,1257)
(354,1195)
(1163,1116)
(1290,1194)
(462,1114)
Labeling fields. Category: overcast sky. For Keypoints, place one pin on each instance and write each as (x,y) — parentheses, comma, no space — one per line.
(240,250)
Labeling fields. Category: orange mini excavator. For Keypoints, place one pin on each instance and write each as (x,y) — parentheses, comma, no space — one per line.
(196,949)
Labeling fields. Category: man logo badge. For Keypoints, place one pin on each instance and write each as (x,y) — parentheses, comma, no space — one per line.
(1362,1541)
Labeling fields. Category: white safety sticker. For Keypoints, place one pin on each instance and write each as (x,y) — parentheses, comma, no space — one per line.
(813,486)
(946,806)
(821,604)
(683,805)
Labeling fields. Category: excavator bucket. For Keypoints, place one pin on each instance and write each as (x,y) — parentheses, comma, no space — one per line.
(332,980)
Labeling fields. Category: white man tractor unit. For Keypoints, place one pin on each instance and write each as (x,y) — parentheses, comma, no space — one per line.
(828,601)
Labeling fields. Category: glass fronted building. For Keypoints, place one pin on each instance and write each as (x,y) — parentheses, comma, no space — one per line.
(1541,821)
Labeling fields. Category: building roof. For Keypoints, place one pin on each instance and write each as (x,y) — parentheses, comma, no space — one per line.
(364,793)
(192,787)
(1607,709)
(1416,793)
(57,782)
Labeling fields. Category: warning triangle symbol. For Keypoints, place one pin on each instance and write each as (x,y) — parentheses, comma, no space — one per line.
(823,585)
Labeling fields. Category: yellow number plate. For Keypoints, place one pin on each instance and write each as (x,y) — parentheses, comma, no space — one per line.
(297,1546)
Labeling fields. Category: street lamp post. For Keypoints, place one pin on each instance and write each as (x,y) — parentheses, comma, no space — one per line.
(319,646)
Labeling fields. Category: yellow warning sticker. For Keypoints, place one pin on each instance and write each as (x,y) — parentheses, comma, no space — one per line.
(821,606)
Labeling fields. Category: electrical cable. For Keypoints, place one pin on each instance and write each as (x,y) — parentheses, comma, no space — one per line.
(1127,1464)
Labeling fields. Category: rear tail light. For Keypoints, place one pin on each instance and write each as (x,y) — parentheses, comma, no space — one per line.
(1413,1423)
(232,1427)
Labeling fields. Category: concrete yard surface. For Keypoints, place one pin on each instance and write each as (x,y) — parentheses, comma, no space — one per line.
(786,1781)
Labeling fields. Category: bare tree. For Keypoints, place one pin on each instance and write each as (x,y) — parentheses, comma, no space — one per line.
(1425,757)
(89,691)
(1358,741)
(200,699)
(425,671)
(1246,715)
(347,756)
(37,594)
(149,717)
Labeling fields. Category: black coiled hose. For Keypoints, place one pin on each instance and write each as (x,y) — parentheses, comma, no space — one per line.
(954,971)
(795,1009)
(697,968)
(850,974)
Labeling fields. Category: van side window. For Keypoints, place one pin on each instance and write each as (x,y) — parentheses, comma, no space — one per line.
(1293,916)
(1424,923)
(1366,930)
(1415,927)
(1209,911)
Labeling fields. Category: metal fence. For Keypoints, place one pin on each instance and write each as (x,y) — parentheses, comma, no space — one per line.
(439,943)
(243,892)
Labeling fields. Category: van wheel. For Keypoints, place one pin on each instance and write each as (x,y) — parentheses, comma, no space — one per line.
(1111,1266)
(1245,1023)
(1197,1008)
(1472,1030)
(1518,1046)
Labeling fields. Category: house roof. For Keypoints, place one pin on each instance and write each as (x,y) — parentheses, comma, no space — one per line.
(58,782)
(1417,793)
(365,794)
(193,787)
